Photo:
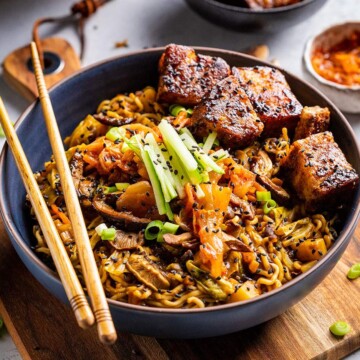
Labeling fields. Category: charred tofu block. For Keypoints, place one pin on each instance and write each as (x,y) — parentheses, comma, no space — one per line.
(228,111)
(185,77)
(319,173)
(313,120)
(271,98)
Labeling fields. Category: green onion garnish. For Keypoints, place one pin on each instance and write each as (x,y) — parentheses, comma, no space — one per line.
(108,189)
(108,234)
(269,205)
(176,109)
(156,229)
(153,229)
(263,195)
(114,134)
(340,328)
(354,272)
(122,186)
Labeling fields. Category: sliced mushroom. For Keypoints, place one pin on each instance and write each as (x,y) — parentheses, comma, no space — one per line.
(108,213)
(185,240)
(247,211)
(85,187)
(235,244)
(111,121)
(126,241)
(147,272)
(269,232)
(261,164)
(279,194)
(219,289)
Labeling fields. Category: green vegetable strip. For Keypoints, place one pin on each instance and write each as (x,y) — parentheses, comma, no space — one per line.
(203,159)
(155,183)
(168,228)
(269,205)
(108,189)
(114,134)
(122,186)
(166,186)
(209,142)
(153,229)
(176,109)
(173,181)
(173,140)
(219,154)
(263,195)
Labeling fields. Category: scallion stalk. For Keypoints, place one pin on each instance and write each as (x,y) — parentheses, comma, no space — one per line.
(209,142)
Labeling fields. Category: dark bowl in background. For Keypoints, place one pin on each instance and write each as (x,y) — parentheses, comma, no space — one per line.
(79,95)
(246,20)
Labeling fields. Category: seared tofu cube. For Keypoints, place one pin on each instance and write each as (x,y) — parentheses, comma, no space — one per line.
(228,111)
(319,173)
(185,77)
(271,98)
(313,120)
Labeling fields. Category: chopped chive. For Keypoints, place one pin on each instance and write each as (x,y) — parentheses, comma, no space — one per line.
(108,234)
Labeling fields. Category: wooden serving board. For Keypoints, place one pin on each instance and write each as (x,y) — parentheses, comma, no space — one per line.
(44,328)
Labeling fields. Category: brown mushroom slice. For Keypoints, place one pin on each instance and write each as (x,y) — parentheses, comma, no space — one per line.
(247,212)
(235,244)
(279,194)
(261,164)
(112,121)
(176,240)
(126,241)
(85,187)
(147,272)
(107,212)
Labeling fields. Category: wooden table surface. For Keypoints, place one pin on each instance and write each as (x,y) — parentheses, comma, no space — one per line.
(44,328)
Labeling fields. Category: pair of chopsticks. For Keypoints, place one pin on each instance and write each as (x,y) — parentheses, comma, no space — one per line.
(73,288)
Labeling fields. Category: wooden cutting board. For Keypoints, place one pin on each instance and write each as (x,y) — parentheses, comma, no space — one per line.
(44,328)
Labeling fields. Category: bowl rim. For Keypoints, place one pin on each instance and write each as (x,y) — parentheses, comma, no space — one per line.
(245,10)
(309,50)
(351,224)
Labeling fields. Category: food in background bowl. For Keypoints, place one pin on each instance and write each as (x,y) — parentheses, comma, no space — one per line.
(128,73)
(202,206)
(332,59)
(260,4)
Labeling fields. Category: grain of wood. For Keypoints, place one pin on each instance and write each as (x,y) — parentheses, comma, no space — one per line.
(46,326)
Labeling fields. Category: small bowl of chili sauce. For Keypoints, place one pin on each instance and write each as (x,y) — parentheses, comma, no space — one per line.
(333,60)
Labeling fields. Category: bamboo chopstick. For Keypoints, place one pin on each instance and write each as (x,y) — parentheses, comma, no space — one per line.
(70,281)
(105,325)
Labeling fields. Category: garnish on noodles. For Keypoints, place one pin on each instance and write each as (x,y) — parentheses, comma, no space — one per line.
(177,219)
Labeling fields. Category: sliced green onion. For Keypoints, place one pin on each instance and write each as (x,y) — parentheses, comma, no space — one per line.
(168,228)
(115,134)
(190,111)
(99,229)
(153,229)
(354,272)
(108,189)
(108,234)
(340,328)
(263,195)
(122,186)
(269,205)
(176,109)
(209,142)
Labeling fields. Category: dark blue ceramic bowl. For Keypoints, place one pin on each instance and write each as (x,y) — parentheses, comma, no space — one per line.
(79,95)
(228,14)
